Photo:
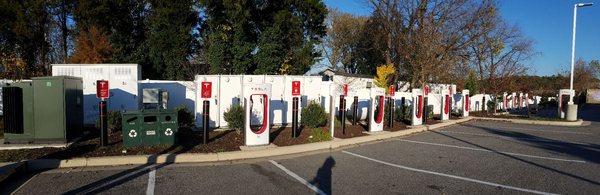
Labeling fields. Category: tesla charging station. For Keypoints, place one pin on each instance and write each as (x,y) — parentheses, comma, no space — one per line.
(256,103)
(466,102)
(417,105)
(527,100)
(205,94)
(342,108)
(514,100)
(445,105)
(295,96)
(563,99)
(504,102)
(390,104)
(520,100)
(376,110)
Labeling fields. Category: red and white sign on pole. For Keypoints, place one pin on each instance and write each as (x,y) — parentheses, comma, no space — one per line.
(345,89)
(102,90)
(426,90)
(392,90)
(206,90)
(295,88)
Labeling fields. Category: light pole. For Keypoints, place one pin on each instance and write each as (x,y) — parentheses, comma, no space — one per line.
(573,46)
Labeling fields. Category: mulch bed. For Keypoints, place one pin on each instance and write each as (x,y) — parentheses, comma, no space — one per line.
(397,127)
(88,146)
(351,131)
(432,122)
(283,136)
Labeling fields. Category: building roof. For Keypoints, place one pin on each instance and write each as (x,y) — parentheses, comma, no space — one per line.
(329,72)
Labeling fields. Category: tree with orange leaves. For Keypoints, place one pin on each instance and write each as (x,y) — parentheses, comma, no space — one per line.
(92,46)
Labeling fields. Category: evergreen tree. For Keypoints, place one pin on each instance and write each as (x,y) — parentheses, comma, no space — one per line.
(23,35)
(263,37)
(170,38)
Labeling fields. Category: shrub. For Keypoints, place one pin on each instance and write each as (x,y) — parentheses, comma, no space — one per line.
(407,110)
(429,111)
(185,118)
(234,116)
(398,114)
(491,105)
(114,121)
(319,135)
(313,115)
(386,113)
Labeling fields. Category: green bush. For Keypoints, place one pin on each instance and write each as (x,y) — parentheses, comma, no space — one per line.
(407,110)
(398,114)
(386,113)
(313,115)
(319,135)
(491,105)
(114,121)
(234,116)
(429,111)
(185,118)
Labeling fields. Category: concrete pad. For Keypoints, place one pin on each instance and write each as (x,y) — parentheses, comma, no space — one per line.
(120,160)
(376,132)
(75,162)
(264,147)
(193,158)
(4,146)
(537,122)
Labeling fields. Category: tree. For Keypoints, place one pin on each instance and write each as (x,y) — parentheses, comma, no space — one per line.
(343,40)
(92,47)
(262,37)
(384,76)
(23,36)
(498,56)
(428,41)
(170,40)
(472,83)
(584,76)
(125,24)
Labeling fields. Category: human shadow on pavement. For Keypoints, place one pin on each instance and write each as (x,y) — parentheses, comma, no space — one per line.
(520,159)
(323,178)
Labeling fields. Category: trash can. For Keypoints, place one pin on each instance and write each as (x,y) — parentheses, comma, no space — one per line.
(150,128)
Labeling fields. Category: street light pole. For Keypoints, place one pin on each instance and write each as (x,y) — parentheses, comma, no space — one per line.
(573,47)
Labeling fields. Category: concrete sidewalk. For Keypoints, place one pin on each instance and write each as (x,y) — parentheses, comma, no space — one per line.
(577,123)
(43,164)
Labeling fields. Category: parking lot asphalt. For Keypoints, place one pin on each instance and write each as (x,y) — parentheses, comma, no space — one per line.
(477,157)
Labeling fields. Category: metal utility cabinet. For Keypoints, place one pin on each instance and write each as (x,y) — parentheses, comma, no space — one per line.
(52,110)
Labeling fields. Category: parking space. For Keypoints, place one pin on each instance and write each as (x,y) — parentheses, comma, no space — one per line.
(476,157)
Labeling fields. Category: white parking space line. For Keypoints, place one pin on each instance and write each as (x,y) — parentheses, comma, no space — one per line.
(526,129)
(513,138)
(493,151)
(151,167)
(300,179)
(448,175)
(151,182)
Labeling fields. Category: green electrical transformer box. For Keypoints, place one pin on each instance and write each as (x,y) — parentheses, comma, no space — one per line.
(51,107)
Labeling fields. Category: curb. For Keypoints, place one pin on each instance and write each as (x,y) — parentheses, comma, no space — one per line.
(43,164)
(536,122)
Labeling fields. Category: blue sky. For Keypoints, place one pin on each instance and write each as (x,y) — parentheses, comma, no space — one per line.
(547,22)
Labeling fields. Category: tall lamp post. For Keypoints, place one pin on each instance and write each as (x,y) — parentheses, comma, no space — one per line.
(573,46)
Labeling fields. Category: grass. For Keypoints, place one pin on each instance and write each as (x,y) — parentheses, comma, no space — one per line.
(318,135)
